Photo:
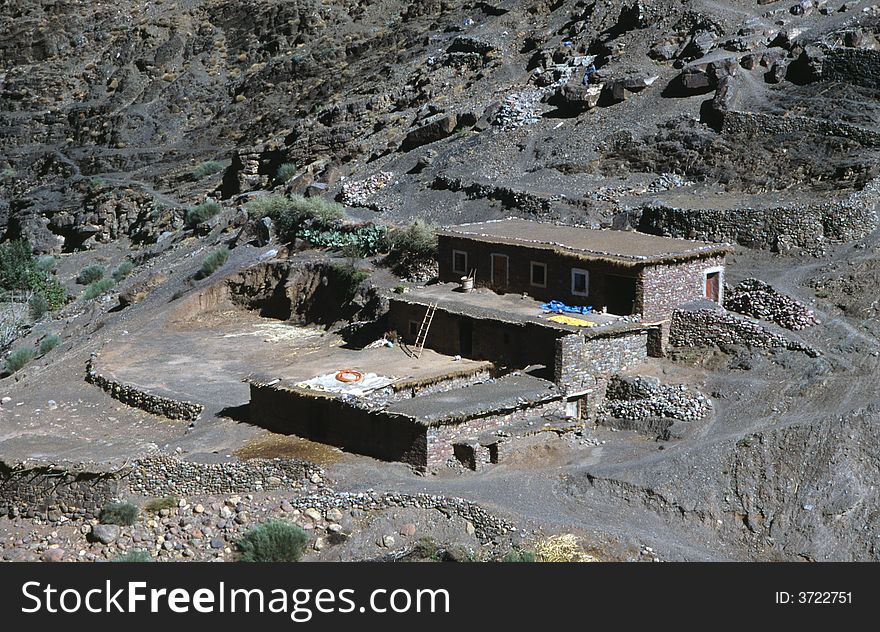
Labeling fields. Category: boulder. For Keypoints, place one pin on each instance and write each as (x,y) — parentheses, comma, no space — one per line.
(104,533)
(436,130)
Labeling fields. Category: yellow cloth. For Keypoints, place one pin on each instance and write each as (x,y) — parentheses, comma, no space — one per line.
(571,320)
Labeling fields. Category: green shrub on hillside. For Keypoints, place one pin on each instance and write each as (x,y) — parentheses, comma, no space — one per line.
(273,541)
(98,288)
(292,214)
(48,343)
(38,306)
(90,274)
(138,556)
(201,213)
(156,505)
(121,513)
(121,271)
(411,247)
(285,172)
(207,168)
(18,358)
(213,261)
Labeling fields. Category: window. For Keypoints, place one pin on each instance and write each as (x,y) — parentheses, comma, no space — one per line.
(580,282)
(459,262)
(539,274)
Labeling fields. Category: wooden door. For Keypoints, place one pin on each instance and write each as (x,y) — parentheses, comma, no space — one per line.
(499,272)
(713,286)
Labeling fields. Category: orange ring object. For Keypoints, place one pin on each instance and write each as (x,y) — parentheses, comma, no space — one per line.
(347,375)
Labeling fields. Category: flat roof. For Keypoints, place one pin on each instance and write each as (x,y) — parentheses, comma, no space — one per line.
(621,247)
(507,393)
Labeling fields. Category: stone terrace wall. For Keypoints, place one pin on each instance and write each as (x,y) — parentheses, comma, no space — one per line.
(852,65)
(50,492)
(137,398)
(707,327)
(751,124)
(800,225)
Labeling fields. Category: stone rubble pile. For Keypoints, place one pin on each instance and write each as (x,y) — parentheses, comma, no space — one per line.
(758,299)
(640,397)
(518,109)
(358,193)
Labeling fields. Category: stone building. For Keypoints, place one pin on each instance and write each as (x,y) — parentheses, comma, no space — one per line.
(619,272)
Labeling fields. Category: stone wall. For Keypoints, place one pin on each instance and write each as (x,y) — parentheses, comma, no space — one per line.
(751,124)
(584,363)
(662,288)
(51,492)
(441,439)
(137,398)
(707,326)
(852,65)
(335,421)
(798,225)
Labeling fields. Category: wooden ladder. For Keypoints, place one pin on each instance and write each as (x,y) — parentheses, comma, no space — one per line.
(423,330)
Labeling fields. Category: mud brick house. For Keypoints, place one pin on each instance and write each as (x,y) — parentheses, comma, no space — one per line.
(621,272)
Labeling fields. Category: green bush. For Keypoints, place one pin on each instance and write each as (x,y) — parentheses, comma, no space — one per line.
(122,513)
(54,292)
(38,305)
(213,261)
(207,168)
(293,214)
(48,343)
(201,213)
(285,172)
(273,541)
(158,504)
(349,278)
(8,173)
(98,288)
(412,246)
(519,555)
(45,263)
(17,266)
(137,556)
(121,271)
(19,358)
(90,274)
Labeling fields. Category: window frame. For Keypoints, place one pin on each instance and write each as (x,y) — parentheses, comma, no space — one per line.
(455,270)
(719,270)
(532,265)
(492,256)
(586,274)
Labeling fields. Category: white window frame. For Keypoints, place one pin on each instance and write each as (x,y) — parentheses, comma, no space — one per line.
(492,256)
(586,273)
(706,273)
(455,253)
(532,265)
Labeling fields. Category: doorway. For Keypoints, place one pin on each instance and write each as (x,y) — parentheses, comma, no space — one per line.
(499,271)
(620,294)
(713,285)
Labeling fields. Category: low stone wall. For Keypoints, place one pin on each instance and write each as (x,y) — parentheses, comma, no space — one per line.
(137,398)
(486,526)
(707,327)
(780,229)
(755,298)
(853,65)
(750,124)
(51,492)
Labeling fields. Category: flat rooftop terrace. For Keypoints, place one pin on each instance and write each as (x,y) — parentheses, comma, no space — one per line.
(510,392)
(484,304)
(623,247)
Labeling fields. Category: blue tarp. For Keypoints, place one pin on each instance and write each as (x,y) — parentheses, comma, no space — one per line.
(558,307)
